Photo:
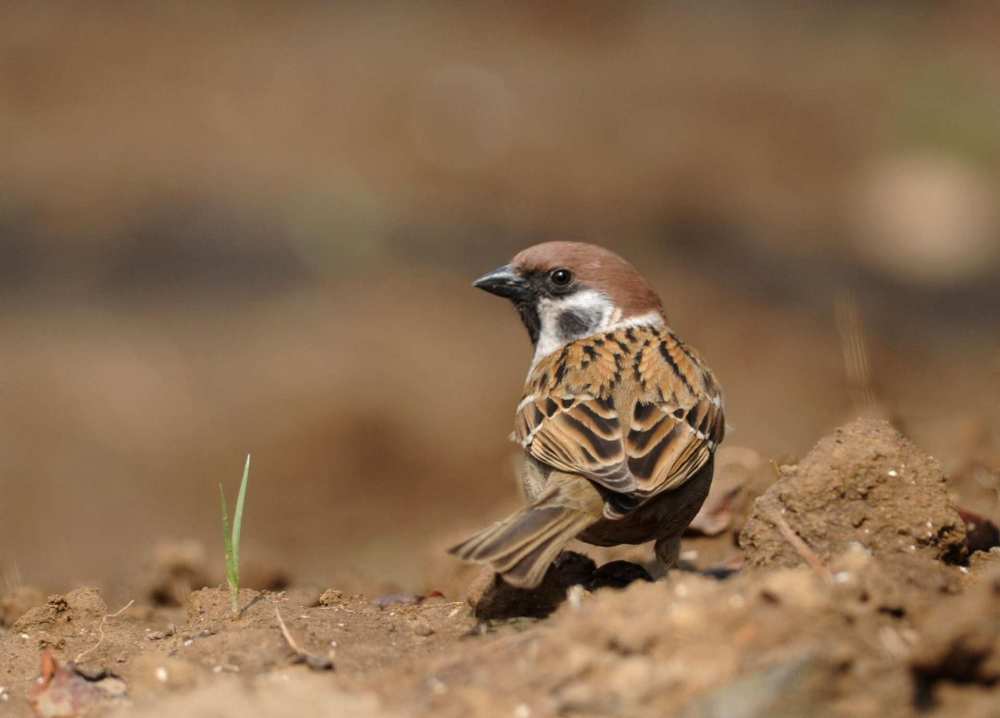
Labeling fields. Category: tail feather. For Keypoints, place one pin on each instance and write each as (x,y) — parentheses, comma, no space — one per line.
(549,535)
(521,547)
(529,571)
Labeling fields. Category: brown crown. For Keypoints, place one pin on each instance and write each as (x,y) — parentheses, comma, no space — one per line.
(594,267)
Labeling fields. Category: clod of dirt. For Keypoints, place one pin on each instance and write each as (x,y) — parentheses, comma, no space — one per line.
(17,602)
(961,643)
(331,597)
(177,568)
(421,627)
(492,598)
(864,483)
(83,604)
(65,692)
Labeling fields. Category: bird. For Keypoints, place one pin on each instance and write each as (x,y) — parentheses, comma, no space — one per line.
(619,420)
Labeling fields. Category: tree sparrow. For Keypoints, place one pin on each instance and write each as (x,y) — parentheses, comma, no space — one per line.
(619,421)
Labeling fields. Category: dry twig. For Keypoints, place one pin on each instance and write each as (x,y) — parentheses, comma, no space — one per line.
(317,663)
(100,630)
(801,547)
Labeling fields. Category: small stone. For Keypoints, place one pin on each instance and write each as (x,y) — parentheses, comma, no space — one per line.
(160,635)
(331,597)
(421,627)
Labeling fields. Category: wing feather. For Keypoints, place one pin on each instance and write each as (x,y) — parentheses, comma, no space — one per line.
(635,411)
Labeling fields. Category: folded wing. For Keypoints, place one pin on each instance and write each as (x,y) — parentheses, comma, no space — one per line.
(635,411)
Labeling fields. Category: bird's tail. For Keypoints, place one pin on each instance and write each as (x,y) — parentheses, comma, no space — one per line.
(521,547)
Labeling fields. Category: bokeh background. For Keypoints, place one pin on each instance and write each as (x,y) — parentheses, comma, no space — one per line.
(233,227)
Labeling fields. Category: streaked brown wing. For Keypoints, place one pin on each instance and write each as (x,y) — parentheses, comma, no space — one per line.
(678,421)
(569,419)
(582,435)
(666,449)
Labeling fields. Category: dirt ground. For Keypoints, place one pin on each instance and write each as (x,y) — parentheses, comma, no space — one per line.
(846,584)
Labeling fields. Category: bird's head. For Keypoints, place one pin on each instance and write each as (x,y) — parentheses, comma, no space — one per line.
(569,290)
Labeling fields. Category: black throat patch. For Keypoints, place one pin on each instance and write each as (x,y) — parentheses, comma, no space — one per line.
(529,317)
(574,323)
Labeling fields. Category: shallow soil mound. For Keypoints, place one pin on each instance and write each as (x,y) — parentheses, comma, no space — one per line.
(865,483)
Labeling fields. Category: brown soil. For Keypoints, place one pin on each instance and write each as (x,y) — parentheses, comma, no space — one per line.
(848,605)
(864,483)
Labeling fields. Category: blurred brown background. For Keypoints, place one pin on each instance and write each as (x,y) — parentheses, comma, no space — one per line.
(252,227)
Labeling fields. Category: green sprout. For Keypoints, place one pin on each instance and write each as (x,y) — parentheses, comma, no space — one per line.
(231,540)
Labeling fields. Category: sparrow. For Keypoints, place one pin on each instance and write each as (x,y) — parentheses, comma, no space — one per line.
(619,420)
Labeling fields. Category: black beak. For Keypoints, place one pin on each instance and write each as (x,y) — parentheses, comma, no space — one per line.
(504,282)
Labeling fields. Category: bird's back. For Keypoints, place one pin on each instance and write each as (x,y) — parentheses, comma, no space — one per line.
(635,410)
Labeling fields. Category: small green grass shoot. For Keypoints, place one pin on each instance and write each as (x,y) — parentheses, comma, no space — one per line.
(231,539)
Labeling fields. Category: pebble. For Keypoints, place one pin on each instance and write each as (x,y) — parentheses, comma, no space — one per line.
(331,597)
(421,627)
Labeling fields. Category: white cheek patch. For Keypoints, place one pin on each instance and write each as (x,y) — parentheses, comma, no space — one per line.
(580,315)
(567,318)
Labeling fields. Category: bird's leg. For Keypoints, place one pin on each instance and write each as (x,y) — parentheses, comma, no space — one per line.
(668,550)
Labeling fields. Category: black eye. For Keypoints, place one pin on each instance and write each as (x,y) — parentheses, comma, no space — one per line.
(561,277)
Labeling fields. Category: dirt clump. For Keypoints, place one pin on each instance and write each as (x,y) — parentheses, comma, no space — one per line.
(83,604)
(865,483)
